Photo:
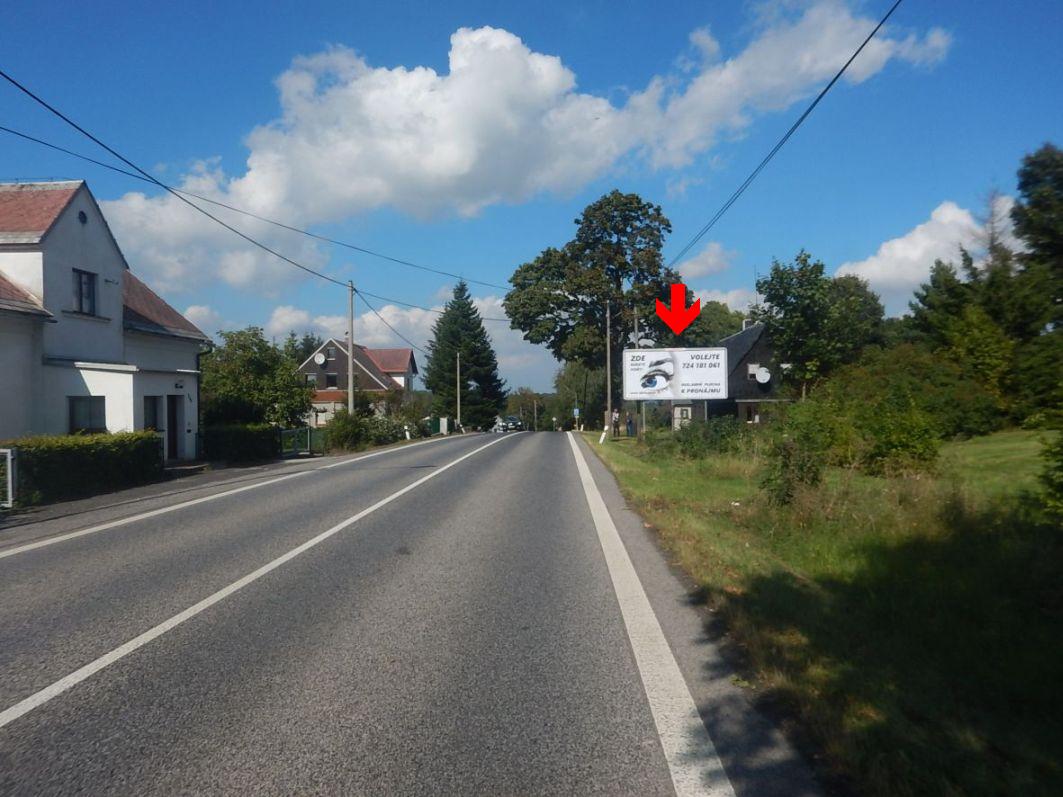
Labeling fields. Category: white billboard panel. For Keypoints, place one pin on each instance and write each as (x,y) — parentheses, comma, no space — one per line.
(675,374)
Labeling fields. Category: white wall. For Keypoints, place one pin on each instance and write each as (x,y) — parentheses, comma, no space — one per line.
(60,382)
(155,353)
(89,247)
(20,369)
(184,387)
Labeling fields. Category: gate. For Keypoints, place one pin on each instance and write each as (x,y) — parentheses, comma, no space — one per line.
(7,477)
(298,442)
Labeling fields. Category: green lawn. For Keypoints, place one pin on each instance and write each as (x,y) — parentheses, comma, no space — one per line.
(1000,464)
(912,626)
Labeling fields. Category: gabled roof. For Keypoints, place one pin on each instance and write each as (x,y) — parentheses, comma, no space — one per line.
(28,210)
(393,361)
(739,344)
(363,363)
(14,299)
(143,310)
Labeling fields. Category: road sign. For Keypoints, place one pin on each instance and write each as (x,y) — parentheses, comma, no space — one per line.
(675,374)
(575,412)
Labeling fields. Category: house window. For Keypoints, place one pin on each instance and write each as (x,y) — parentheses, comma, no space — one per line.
(311,379)
(330,353)
(87,414)
(84,292)
(151,412)
(330,380)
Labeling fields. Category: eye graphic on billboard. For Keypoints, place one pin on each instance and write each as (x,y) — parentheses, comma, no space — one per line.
(675,374)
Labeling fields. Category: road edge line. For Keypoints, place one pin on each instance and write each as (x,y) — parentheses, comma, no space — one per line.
(693,763)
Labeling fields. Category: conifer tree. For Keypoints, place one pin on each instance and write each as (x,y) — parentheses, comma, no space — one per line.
(483,393)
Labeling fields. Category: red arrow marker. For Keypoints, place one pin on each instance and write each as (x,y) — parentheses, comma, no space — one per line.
(678,317)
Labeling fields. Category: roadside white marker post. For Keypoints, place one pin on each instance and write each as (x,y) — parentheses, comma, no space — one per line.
(457,388)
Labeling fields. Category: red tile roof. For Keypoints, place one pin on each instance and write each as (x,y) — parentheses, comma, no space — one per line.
(393,361)
(144,311)
(15,299)
(28,210)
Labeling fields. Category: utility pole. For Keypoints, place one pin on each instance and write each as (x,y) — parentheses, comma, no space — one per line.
(608,371)
(640,406)
(350,347)
(457,385)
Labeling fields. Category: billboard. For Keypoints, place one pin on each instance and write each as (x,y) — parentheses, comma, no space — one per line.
(675,374)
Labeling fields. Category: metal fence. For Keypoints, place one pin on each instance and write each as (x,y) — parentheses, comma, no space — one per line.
(7,477)
(302,442)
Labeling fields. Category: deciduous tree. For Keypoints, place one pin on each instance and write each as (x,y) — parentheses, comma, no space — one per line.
(248,379)
(559,299)
(816,323)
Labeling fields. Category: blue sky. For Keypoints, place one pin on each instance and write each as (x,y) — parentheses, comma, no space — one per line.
(468,136)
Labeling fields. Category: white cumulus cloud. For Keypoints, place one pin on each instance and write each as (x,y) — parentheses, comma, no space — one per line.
(504,123)
(205,317)
(712,259)
(901,264)
(738,299)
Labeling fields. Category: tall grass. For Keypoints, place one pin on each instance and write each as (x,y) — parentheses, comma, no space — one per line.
(911,625)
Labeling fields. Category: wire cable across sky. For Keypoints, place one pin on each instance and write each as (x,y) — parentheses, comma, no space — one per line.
(248,213)
(767,158)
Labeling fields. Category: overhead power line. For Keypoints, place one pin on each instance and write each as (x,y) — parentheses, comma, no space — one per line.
(385,322)
(793,129)
(248,213)
(151,178)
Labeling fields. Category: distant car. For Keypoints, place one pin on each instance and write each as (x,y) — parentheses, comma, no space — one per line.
(513,424)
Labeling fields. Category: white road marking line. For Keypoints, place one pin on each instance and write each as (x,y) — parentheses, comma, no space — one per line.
(44,695)
(692,760)
(193,502)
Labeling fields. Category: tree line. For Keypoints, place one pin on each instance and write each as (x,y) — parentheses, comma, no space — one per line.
(980,346)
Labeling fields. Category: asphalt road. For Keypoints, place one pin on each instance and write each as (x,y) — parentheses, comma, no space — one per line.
(446,618)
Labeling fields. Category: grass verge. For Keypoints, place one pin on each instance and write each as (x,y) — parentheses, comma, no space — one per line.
(913,627)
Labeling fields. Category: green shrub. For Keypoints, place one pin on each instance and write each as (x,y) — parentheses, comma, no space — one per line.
(346,432)
(956,405)
(898,437)
(801,449)
(1052,476)
(57,467)
(698,439)
(381,431)
(241,442)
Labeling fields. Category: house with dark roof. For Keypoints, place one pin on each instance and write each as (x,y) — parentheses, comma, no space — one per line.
(84,344)
(753,380)
(376,372)
(754,377)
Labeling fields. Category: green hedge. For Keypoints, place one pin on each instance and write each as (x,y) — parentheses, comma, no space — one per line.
(241,443)
(52,468)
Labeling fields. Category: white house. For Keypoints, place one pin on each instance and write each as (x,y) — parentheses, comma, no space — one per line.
(84,344)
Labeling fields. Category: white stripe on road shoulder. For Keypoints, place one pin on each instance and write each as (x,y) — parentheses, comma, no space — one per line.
(692,760)
(214,497)
(43,696)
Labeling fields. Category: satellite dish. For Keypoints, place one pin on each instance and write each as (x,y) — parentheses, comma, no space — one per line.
(319,358)
(763,375)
